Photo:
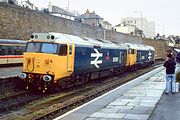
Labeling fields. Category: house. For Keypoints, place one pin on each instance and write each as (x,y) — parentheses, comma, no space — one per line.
(28,4)
(90,18)
(137,26)
(125,28)
(57,11)
(107,25)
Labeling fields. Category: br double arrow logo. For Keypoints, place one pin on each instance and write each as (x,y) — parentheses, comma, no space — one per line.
(149,55)
(96,61)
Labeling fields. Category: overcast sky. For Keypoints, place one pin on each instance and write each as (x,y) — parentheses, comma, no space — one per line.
(163,12)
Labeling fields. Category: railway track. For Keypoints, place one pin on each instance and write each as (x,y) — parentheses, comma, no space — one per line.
(9,85)
(16,100)
(59,103)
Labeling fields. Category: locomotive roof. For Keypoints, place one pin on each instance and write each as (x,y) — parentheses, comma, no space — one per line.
(150,48)
(66,38)
(139,46)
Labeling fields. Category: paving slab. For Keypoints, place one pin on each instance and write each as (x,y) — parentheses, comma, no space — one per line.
(168,108)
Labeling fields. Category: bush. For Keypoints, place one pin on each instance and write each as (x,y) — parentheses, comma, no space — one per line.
(178,76)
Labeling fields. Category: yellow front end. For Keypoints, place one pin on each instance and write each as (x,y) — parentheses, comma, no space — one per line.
(43,69)
(41,63)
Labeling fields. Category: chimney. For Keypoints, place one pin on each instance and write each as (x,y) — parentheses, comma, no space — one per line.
(87,13)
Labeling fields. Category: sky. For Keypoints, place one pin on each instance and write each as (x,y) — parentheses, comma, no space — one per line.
(165,13)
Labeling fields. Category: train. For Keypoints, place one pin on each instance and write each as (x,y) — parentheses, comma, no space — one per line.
(11,51)
(57,60)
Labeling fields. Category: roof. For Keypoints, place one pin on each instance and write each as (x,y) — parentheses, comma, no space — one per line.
(66,38)
(106,22)
(139,46)
(89,15)
(58,10)
(150,48)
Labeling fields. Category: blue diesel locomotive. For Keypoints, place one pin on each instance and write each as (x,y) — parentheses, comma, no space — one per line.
(56,59)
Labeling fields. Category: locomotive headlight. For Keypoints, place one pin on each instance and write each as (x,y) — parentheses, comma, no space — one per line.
(22,75)
(32,36)
(47,78)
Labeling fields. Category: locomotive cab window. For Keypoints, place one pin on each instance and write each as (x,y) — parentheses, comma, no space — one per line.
(49,48)
(42,47)
(131,51)
(70,49)
(33,47)
(62,49)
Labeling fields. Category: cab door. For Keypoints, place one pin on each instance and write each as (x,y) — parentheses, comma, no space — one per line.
(131,57)
(70,58)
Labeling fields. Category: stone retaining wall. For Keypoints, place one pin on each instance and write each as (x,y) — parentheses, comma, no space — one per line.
(19,23)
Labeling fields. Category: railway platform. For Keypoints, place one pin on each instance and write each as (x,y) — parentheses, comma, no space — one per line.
(135,100)
(10,71)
